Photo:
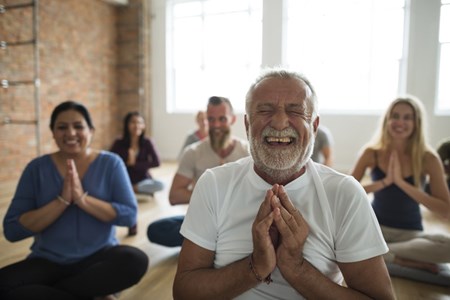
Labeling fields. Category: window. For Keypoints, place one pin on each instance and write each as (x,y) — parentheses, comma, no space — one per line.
(214,50)
(443,94)
(351,50)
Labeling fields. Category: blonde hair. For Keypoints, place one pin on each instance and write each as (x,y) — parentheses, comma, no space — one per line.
(417,145)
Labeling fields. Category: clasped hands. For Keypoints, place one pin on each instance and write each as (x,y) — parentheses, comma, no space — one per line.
(72,189)
(394,171)
(279,234)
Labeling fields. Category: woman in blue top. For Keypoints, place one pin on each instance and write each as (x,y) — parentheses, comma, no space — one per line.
(400,160)
(70,202)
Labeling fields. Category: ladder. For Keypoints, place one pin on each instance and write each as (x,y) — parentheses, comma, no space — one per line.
(6,83)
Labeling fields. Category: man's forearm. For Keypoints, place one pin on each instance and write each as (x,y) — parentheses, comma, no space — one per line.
(180,196)
(224,283)
(312,284)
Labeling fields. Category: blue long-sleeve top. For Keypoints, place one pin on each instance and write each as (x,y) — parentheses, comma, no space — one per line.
(75,234)
(147,158)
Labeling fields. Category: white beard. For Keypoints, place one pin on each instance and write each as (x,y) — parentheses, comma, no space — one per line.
(280,165)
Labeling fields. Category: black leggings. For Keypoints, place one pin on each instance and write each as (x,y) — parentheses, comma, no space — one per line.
(106,272)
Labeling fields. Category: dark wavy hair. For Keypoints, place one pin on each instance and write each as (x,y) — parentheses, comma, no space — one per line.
(71,105)
(126,132)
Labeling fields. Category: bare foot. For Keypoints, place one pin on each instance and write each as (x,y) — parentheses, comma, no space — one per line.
(430,267)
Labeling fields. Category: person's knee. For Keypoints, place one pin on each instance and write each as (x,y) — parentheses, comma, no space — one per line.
(165,232)
(135,262)
(158,231)
(158,186)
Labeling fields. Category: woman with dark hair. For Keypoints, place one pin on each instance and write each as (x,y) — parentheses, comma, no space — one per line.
(70,202)
(139,154)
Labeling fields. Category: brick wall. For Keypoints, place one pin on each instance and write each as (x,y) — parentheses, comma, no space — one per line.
(89,51)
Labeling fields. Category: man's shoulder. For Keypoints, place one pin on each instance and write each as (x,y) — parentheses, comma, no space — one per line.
(241,143)
(199,145)
(195,152)
(234,166)
(229,174)
(326,173)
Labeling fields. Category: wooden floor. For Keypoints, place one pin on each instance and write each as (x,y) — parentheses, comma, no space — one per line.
(157,283)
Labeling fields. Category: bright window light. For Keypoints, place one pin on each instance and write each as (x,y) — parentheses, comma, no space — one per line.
(443,93)
(350,50)
(214,49)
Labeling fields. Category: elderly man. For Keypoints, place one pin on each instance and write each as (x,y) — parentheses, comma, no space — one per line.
(276,225)
(220,148)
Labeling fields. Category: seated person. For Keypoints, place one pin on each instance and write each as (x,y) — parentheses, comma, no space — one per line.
(323,152)
(139,154)
(275,225)
(444,153)
(399,161)
(70,202)
(200,133)
(220,148)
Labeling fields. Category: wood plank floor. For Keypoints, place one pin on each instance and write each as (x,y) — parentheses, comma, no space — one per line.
(157,283)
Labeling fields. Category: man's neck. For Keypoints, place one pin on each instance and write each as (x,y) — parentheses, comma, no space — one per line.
(226,149)
(282,177)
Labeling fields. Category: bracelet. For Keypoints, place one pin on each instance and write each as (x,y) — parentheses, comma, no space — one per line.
(63,200)
(267,280)
(82,197)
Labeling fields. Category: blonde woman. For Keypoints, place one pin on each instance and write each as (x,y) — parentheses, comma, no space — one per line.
(400,160)
(198,134)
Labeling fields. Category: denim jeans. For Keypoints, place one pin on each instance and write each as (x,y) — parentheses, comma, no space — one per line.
(166,232)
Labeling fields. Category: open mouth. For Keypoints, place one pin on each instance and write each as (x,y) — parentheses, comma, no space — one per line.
(71,142)
(279,141)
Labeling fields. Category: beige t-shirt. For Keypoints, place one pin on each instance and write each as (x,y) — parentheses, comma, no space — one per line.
(198,157)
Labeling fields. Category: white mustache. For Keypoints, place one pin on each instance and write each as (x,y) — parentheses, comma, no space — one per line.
(285,133)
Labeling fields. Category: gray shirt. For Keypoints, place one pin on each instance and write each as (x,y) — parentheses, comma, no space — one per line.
(198,157)
(323,139)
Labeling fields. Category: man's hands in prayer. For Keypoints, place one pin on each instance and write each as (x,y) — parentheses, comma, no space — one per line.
(279,233)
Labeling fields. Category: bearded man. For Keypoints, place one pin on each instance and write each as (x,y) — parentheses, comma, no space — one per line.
(276,225)
(220,148)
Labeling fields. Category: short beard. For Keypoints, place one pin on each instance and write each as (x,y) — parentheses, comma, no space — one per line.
(219,143)
(280,165)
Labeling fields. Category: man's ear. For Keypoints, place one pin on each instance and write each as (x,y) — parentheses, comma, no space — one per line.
(316,124)
(246,124)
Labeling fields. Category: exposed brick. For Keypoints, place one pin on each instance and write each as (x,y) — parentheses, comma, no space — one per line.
(89,51)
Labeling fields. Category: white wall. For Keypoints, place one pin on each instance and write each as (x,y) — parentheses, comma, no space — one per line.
(350,132)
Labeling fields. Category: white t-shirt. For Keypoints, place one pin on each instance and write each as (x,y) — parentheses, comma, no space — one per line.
(342,224)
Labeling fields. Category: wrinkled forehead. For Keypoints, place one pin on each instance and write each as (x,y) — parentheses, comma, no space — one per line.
(278,90)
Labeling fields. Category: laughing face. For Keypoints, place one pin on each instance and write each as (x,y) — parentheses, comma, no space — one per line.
(279,127)
(72,133)
(220,120)
(401,121)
